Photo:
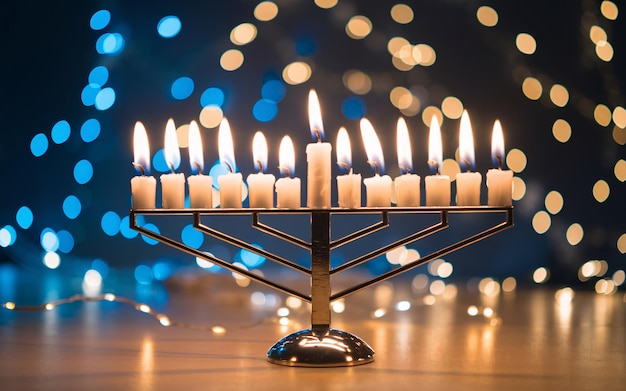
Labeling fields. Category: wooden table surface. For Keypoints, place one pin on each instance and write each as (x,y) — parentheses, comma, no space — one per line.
(537,344)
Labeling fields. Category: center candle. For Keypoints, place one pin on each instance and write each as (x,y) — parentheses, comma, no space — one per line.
(467,183)
(230,184)
(260,185)
(348,185)
(200,186)
(172,185)
(437,186)
(377,188)
(287,188)
(318,159)
(407,185)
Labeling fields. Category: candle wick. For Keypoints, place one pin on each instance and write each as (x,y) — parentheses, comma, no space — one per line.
(404,169)
(436,164)
(318,134)
(260,166)
(140,168)
(230,168)
(345,165)
(467,163)
(499,159)
(198,167)
(286,169)
(172,169)
(375,164)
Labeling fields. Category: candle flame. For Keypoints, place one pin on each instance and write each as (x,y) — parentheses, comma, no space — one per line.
(497,145)
(344,152)
(141,148)
(286,156)
(196,158)
(435,149)
(372,146)
(171,150)
(315,117)
(466,142)
(225,145)
(405,159)
(259,151)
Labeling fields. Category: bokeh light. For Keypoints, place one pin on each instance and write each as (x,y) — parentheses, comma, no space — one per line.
(266,11)
(525,43)
(487,16)
(169,26)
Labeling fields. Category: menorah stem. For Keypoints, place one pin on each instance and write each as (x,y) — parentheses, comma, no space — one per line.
(320,269)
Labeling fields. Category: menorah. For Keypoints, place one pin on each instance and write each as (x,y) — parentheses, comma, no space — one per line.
(321,345)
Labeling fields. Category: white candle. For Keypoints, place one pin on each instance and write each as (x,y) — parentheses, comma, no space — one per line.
(407,185)
(172,185)
(467,183)
(348,185)
(377,188)
(287,188)
(200,186)
(230,184)
(499,181)
(143,187)
(318,159)
(260,185)
(437,186)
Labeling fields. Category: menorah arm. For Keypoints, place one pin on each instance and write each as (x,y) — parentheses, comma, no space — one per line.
(256,223)
(383,223)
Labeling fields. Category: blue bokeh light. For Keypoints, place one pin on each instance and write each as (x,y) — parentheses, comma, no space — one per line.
(24,217)
(48,239)
(251,259)
(153,228)
(89,93)
(192,237)
(99,75)
(66,241)
(90,130)
(265,110)
(273,90)
(182,88)
(216,171)
(110,43)
(110,223)
(100,19)
(83,172)
(105,99)
(353,108)
(72,207)
(101,266)
(60,132)
(8,235)
(125,229)
(143,274)
(169,26)
(212,96)
(161,271)
(39,145)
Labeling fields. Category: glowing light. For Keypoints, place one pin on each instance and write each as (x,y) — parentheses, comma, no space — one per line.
(379,313)
(182,88)
(488,312)
(231,60)
(297,73)
(52,260)
(358,27)
(604,51)
(619,135)
(401,97)
(164,320)
(243,34)
(574,234)
(466,143)
(402,13)
(344,150)
(541,275)
(452,107)
(620,170)
(24,217)
(287,155)
(526,43)
(472,310)
(487,16)
(419,282)
(435,148)
(554,202)
(293,302)
(516,160)
(561,130)
(60,132)
(357,82)
(445,270)
(619,277)
(541,222)
(532,88)
(403,306)
(559,95)
(451,168)
(602,115)
(99,20)
(372,145)
(403,146)
(326,4)
(601,190)
(621,243)
(203,263)
(509,284)
(338,306)
(90,130)
(39,145)
(429,112)
(437,287)
(265,11)
(609,10)
(429,300)
(282,311)
(211,116)
(424,54)
(519,188)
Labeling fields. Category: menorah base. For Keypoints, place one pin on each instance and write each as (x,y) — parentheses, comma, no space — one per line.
(320,348)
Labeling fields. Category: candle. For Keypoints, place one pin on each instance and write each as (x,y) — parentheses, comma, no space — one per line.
(230,184)
(467,183)
(143,187)
(437,186)
(200,186)
(348,185)
(377,188)
(260,185)
(499,181)
(172,185)
(287,188)
(318,159)
(407,185)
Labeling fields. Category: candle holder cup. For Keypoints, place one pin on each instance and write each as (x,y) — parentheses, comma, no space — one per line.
(321,345)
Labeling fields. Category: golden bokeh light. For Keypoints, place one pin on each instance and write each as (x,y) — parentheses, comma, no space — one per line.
(182,134)
(509,284)
(574,234)
(541,275)
(609,10)
(516,160)
(621,244)
(601,190)
(243,34)
(619,277)
(358,27)
(211,116)
(525,43)
(452,107)
(402,13)
(532,88)
(395,44)
(358,82)
(561,130)
(400,64)
(619,116)
(541,222)
(487,16)
(519,188)
(326,4)
(265,11)
(604,51)
(297,73)
(619,135)
(451,168)
(413,109)
(602,115)
(424,54)
(597,34)
(620,170)
(400,97)
(429,112)
(554,202)
(231,60)
(559,95)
